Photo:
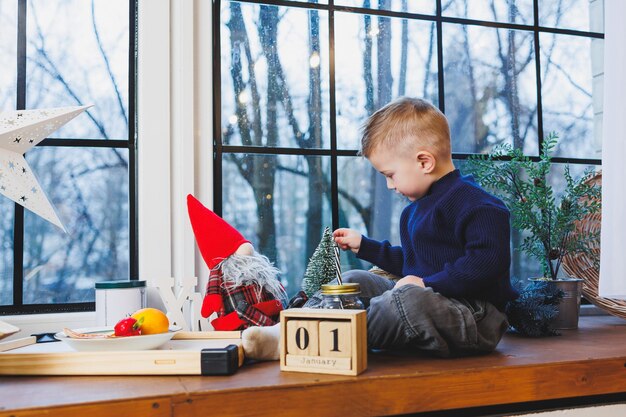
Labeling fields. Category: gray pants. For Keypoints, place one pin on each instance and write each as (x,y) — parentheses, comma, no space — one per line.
(416,318)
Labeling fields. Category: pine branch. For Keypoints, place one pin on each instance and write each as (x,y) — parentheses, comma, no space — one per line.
(523,185)
(532,313)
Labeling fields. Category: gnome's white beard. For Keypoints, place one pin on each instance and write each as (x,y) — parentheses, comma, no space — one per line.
(255,270)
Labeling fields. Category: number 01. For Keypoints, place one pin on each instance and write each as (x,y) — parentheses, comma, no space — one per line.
(335,340)
(302,338)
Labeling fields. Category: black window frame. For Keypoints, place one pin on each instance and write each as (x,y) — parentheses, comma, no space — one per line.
(220,149)
(18,307)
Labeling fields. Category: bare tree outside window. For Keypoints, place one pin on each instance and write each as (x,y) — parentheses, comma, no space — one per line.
(291,107)
(410,6)
(77,53)
(8,77)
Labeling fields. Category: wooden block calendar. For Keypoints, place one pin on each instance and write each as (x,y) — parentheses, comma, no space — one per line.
(323,341)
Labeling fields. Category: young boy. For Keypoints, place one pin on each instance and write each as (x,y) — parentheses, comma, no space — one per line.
(454,256)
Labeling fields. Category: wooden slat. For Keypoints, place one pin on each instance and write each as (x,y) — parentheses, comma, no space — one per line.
(359,336)
(185,335)
(158,407)
(7,329)
(403,394)
(320,313)
(182,358)
(146,362)
(17,343)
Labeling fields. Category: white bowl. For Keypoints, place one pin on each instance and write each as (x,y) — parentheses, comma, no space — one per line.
(142,342)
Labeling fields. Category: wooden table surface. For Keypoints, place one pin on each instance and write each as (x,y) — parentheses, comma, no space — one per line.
(585,362)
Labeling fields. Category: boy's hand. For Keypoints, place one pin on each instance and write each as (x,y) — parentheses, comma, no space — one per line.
(348,239)
(411,279)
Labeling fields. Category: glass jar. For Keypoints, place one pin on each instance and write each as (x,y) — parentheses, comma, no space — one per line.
(341,297)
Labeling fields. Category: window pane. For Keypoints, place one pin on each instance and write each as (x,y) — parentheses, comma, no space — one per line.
(8,54)
(522,265)
(491,88)
(508,11)
(8,84)
(89,189)
(584,15)
(376,60)
(557,175)
(571,96)
(367,205)
(7,208)
(274,76)
(78,54)
(281,203)
(407,6)
(313,1)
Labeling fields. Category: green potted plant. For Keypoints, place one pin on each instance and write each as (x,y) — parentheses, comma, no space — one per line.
(547,221)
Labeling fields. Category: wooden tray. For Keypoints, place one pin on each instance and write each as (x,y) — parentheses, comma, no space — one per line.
(188,353)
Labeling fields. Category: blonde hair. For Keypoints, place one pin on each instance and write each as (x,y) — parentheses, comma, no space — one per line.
(407,124)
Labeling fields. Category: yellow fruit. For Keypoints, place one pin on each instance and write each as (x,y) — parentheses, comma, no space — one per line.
(154,320)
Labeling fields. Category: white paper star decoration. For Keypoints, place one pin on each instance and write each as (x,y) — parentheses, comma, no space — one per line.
(20,130)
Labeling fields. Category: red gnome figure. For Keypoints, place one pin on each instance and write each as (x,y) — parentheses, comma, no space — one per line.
(243,287)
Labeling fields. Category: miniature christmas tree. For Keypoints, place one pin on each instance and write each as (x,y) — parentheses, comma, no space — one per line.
(322,267)
(532,313)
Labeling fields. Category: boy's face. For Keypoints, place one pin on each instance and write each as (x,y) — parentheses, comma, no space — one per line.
(405,173)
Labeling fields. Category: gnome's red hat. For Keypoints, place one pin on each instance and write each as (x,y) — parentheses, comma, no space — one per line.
(216,239)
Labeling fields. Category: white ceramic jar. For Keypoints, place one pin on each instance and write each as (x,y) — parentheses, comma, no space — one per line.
(118,299)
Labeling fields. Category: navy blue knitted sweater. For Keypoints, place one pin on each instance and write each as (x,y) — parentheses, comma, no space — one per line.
(456,237)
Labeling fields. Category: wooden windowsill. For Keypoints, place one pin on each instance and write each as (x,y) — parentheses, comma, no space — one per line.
(586,362)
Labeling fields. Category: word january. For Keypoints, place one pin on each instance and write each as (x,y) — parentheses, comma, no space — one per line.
(317,361)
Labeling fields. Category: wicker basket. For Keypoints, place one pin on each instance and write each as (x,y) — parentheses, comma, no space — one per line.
(586,266)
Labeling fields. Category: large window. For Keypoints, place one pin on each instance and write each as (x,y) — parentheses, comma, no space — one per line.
(67,53)
(296,79)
